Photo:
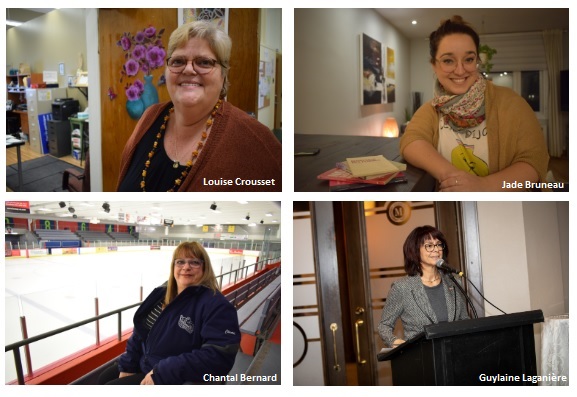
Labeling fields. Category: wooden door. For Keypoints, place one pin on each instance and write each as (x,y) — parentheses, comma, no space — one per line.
(278,93)
(117,126)
(243,29)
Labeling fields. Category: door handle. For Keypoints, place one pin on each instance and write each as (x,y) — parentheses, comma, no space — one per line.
(358,323)
(334,328)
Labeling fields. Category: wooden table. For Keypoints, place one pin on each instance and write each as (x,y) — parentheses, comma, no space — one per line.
(336,148)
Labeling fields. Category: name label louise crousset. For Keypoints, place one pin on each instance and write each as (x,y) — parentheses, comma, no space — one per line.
(238,182)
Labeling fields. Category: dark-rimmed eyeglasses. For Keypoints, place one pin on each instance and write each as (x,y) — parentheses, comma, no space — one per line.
(196,263)
(201,65)
(431,247)
(449,64)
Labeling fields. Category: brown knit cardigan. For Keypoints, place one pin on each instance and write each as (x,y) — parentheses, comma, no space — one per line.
(238,149)
(513,131)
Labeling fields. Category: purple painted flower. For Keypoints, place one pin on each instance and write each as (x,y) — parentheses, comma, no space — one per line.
(139,86)
(150,32)
(125,42)
(139,38)
(155,57)
(133,93)
(139,52)
(131,67)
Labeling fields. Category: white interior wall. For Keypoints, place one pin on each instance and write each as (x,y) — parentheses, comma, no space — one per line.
(504,256)
(328,72)
(271,40)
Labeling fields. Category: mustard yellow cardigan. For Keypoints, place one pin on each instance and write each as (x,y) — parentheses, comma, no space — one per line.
(513,131)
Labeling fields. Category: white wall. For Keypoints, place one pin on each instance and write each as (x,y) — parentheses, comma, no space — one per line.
(271,41)
(328,72)
(422,75)
(524,256)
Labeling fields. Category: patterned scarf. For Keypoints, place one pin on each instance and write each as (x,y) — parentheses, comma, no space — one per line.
(462,111)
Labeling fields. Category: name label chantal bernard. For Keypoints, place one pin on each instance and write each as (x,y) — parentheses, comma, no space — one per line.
(238,182)
(239,377)
(532,185)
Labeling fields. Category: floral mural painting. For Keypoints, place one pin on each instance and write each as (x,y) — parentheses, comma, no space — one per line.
(219,16)
(143,53)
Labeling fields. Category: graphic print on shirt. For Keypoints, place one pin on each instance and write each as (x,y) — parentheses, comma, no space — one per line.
(463,158)
(186,324)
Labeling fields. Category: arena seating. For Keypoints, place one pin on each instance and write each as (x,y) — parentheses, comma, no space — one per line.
(91,237)
(57,238)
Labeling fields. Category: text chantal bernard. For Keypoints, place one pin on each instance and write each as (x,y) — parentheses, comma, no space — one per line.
(239,377)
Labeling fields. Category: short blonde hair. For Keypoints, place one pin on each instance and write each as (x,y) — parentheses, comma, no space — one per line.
(190,250)
(217,40)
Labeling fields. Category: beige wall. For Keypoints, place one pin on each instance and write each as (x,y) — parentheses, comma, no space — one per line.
(524,252)
(327,82)
(271,39)
(524,256)
(45,42)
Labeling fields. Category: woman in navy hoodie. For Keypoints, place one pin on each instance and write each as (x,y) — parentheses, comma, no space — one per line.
(183,331)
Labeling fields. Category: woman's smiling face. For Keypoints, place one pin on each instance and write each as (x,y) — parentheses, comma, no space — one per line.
(190,89)
(456,63)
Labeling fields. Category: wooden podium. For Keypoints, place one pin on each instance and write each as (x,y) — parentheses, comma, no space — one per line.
(469,352)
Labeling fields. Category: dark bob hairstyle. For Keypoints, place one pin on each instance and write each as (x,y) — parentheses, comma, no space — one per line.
(412,247)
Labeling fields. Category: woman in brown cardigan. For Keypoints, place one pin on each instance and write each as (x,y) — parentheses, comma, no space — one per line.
(197,141)
(473,136)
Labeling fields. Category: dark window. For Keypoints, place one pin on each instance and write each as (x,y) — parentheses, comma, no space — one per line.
(530,88)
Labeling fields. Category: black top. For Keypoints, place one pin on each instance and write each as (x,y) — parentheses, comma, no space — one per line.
(161,175)
(436,296)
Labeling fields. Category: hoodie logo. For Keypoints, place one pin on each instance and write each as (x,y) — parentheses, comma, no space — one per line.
(186,324)
(229,332)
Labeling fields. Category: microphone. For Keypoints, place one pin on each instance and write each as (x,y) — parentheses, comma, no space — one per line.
(441,264)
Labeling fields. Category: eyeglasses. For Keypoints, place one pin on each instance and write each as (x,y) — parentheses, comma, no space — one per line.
(196,263)
(431,247)
(448,65)
(201,65)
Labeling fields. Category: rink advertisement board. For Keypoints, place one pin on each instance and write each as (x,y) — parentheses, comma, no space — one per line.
(22,207)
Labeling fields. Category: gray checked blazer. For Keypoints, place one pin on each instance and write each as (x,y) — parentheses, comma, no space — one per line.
(408,300)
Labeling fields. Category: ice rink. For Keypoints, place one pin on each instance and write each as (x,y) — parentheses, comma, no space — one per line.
(55,291)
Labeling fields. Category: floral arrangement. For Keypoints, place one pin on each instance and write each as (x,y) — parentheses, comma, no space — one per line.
(143,52)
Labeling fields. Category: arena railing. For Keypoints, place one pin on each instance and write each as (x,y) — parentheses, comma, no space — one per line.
(15,347)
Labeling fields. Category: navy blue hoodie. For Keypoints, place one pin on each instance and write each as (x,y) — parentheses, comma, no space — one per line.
(196,334)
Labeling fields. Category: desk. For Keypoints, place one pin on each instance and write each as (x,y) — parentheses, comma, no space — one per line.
(13,142)
(335,148)
(23,120)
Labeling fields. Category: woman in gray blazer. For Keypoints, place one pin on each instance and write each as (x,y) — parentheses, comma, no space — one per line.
(426,295)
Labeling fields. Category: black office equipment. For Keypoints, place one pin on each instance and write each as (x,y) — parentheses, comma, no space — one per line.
(469,352)
(63,108)
(59,143)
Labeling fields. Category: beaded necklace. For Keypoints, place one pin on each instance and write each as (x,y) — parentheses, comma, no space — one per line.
(195,153)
